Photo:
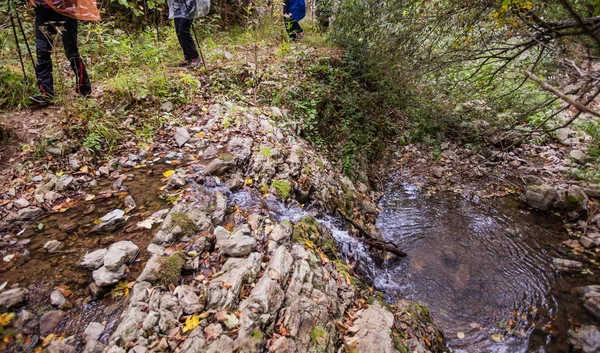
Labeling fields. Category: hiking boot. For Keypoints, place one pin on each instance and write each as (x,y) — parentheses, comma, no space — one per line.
(83,87)
(184,63)
(299,35)
(42,99)
(195,63)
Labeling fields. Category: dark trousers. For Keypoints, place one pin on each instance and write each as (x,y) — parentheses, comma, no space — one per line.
(47,24)
(182,29)
(291,26)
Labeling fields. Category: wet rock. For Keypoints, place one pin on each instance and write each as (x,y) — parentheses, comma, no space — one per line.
(93,260)
(235,183)
(13,298)
(592,304)
(57,298)
(424,335)
(110,222)
(53,246)
(372,331)
(63,182)
(438,172)
(540,196)
(237,245)
(219,166)
(590,241)
(93,331)
(586,339)
(29,213)
(119,254)
(220,208)
(50,320)
(129,202)
(567,265)
(95,290)
(188,299)
(181,136)
(104,277)
(175,181)
(572,199)
(22,203)
(59,347)
(94,347)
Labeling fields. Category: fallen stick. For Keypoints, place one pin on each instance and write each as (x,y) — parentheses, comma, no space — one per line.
(373,241)
(561,95)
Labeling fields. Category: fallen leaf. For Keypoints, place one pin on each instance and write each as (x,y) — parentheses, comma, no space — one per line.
(460,335)
(6,318)
(191,323)
(231,321)
(168,173)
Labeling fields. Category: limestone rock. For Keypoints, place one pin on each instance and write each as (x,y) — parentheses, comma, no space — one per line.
(104,277)
(540,196)
(181,136)
(236,245)
(13,298)
(53,246)
(29,213)
(93,331)
(57,298)
(110,221)
(50,320)
(586,339)
(119,254)
(93,260)
(188,299)
(567,265)
(57,346)
(572,199)
(373,331)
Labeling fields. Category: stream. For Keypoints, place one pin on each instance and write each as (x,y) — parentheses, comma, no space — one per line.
(485,272)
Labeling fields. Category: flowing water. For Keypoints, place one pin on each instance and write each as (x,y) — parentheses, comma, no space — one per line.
(485,272)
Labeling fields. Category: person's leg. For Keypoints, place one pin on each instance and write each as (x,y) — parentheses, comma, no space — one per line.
(297,30)
(83,85)
(288,20)
(43,47)
(182,29)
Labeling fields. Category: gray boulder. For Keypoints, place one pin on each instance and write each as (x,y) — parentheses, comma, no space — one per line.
(93,260)
(572,199)
(540,196)
(50,320)
(104,277)
(119,254)
(93,331)
(237,245)
(586,339)
(181,136)
(110,221)
(13,298)
(29,213)
(567,265)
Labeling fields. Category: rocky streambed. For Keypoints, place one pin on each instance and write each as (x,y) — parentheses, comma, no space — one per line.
(245,258)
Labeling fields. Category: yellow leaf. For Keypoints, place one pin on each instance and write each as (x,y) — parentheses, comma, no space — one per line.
(48,339)
(168,173)
(248,181)
(201,134)
(59,174)
(84,169)
(191,323)
(6,318)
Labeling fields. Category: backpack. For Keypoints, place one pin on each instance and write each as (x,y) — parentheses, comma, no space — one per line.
(189,9)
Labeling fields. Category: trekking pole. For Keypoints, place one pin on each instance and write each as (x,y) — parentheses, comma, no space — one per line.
(198,45)
(12,22)
(24,36)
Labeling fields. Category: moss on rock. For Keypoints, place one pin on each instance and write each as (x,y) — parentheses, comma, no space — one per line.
(283,188)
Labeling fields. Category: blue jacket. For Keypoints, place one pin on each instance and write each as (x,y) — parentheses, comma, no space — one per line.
(297,8)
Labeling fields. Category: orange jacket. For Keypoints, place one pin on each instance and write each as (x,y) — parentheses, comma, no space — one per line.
(84,10)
